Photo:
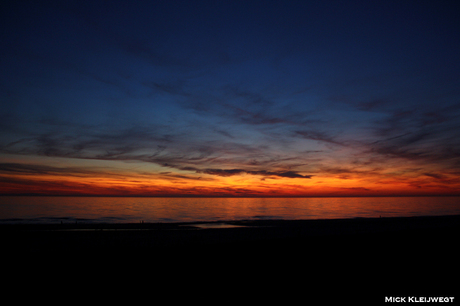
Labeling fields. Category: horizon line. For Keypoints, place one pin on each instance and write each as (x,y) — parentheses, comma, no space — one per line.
(228,196)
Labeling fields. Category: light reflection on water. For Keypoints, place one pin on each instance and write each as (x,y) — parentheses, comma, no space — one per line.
(136,209)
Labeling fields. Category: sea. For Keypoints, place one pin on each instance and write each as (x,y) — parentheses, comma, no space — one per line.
(59,209)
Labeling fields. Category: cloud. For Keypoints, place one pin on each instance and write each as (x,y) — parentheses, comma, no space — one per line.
(428,135)
(34,169)
(435,175)
(94,142)
(173,176)
(150,144)
(319,136)
(40,170)
(427,147)
(356,189)
(287,174)
(18,185)
(231,172)
(220,172)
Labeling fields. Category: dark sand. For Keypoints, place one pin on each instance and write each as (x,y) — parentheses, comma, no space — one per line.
(341,261)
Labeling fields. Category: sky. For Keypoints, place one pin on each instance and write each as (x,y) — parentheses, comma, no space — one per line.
(230,98)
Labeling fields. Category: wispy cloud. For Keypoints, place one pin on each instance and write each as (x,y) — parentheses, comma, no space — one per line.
(319,136)
(38,169)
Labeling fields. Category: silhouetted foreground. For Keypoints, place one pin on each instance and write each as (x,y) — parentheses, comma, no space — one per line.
(381,257)
(388,233)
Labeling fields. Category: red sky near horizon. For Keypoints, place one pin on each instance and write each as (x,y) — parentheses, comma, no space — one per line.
(251,98)
(114,178)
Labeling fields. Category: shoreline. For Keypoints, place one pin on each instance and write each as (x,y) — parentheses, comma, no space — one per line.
(124,235)
(256,222)
(357,259)
(411,221)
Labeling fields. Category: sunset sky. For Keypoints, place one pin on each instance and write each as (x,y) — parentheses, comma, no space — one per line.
(230,98)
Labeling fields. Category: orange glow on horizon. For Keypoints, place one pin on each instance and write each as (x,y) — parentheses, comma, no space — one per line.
(207,185)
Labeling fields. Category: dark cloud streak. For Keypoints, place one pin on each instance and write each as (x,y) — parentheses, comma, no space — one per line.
(38,169)
(231,172)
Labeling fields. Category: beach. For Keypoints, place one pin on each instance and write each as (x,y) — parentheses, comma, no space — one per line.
(376,256)
(401,231)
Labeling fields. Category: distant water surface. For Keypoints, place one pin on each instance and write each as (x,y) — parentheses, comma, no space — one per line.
(28,209)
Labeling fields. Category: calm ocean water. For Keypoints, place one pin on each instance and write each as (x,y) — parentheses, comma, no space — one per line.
(17,209)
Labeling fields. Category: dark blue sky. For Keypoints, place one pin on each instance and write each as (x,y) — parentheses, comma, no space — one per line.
(351,94)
